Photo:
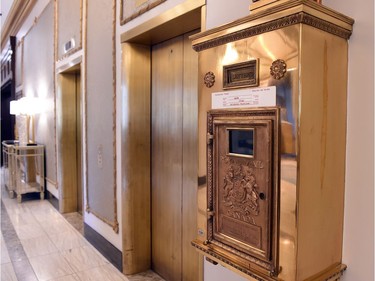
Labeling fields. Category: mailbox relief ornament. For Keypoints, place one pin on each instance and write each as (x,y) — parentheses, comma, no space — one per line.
(240,191)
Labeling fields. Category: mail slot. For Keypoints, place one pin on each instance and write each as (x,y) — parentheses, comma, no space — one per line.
(243,168)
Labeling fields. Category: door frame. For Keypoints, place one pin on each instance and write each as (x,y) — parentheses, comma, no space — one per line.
(136,114)
(67,147)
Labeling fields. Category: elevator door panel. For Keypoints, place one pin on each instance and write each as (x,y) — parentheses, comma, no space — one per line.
(174,162)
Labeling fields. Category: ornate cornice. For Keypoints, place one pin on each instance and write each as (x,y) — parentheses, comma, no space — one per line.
(298,18)
(17,15)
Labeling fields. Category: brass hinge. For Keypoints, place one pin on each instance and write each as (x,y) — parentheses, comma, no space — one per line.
(210,138)
(210,213)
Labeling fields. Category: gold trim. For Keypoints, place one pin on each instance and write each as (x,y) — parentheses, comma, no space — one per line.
(54,88)
(51,181)
(69,53)
(298,18)
(114,224)
(18,13)
(137,14)
(36,20)
(331,274)
(335,272)
(85,107)
(20,47)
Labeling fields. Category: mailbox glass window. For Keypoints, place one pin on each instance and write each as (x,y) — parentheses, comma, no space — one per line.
(241,142)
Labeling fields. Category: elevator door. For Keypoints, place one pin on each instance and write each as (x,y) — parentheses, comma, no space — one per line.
(69,124)
(174,159)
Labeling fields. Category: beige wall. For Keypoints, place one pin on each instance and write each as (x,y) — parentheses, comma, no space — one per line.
(38,74)
(358,252)
(100,111)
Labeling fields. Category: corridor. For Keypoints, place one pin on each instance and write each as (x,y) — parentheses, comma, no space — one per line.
(38,243)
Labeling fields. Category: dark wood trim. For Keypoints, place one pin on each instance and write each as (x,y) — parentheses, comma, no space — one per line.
(53,200)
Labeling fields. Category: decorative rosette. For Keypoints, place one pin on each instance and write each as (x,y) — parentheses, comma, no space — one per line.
(209,79)
(278,69)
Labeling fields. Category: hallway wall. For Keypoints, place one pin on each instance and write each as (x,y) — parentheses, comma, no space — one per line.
(38,81)
(358,251)
(359,205)
(36,68)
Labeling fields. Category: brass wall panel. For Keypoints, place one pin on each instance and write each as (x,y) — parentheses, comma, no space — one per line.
(136,178)
(322,151)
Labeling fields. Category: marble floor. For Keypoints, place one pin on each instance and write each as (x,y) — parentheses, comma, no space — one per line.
(38,243)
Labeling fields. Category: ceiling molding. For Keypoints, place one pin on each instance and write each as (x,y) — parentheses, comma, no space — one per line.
(17,15)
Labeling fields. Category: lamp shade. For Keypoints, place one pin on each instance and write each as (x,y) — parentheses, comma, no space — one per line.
(14,107)
(27,105)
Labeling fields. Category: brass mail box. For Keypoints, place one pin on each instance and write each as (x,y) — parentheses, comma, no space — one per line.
(243,165)
(272,178)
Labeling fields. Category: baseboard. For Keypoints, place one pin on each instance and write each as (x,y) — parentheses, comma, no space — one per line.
(110,252)
(53,200)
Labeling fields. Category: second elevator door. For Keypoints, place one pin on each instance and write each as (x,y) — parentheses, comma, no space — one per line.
(174,159)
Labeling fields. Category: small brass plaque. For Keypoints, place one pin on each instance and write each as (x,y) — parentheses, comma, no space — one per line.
(244,232)
(244,74)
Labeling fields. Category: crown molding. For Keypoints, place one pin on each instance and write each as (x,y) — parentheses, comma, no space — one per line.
(16,17)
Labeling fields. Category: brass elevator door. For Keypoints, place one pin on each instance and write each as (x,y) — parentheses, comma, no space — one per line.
(174,159)
(79,144)
(69,127)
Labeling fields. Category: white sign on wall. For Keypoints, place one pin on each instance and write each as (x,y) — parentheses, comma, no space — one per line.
(254,97)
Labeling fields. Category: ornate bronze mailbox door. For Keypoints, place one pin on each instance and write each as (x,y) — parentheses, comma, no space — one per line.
(243,166)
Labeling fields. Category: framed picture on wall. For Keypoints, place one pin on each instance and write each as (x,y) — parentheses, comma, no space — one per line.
(130,9)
